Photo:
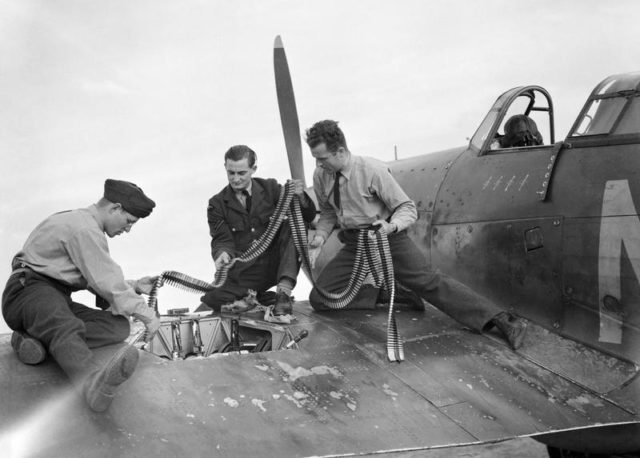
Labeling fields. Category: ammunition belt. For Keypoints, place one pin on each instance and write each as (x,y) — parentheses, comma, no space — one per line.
(373,257)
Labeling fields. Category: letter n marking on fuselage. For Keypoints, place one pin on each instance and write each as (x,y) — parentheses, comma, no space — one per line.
(619,226)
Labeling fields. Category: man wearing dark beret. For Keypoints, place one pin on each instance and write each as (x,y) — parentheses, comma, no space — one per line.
(68,252)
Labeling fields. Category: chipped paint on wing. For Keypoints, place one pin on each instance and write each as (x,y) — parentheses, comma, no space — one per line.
(298,372)
(584,400)
(259,403)
(231,402)
(294,400)
(387,390)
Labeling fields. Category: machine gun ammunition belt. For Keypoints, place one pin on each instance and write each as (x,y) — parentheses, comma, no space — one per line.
(373,257)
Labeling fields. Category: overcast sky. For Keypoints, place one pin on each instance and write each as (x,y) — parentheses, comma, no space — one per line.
(155,91)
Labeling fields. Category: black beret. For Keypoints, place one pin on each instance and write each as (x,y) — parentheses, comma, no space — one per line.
(129,196)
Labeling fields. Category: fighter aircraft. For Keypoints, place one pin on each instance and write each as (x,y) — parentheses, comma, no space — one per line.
(550,232)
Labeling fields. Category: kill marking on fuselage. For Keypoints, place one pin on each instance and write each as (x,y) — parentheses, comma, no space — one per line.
(487,183)
(511,181)
(497,183)
(506,188)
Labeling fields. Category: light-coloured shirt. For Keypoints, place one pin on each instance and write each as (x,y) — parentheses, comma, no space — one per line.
(71,247)
(368,193)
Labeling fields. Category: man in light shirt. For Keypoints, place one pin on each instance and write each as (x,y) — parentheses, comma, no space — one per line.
(357,192)
(68,252)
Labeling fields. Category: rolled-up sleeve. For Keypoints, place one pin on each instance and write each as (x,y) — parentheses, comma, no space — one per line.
(389,191)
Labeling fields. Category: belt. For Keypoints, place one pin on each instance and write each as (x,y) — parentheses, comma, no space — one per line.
(17,264)
(18,267)
(19,271)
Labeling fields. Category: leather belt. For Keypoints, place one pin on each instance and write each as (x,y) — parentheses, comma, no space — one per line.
(19,271)
(17,264)
(18,267)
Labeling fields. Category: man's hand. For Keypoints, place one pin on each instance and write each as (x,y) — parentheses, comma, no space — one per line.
(298,186)
(223,259)
(152,328)
(151,321)
(145,284)
(389,228)
(315,246)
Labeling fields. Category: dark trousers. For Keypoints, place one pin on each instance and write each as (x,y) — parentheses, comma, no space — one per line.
(279,261)
(412,272)
(43,308)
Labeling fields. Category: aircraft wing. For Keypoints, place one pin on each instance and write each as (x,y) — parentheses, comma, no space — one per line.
(335,395)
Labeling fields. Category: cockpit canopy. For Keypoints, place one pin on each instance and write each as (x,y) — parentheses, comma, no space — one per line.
(613,108)
(521,117)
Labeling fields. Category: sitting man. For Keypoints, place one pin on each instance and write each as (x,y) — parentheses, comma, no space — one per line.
(520,130)
(238,215)
(357,192)
(68,252)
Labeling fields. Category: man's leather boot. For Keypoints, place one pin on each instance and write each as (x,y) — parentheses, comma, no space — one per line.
(284,304)
(514,329)
(100,387)
(409,297)
(28,349)
(403,296)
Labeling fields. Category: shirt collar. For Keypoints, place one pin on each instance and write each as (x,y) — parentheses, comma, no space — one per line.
(248,189)
(348,167)
(93,210)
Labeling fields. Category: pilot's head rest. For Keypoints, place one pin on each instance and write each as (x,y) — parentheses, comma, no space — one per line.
(520,130)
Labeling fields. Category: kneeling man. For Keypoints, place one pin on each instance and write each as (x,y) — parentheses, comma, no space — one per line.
(238,215)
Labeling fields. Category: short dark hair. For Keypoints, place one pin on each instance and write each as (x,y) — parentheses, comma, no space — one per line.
(239,152)
(326,132)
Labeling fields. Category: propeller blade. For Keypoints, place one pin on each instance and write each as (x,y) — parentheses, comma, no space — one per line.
(288,112)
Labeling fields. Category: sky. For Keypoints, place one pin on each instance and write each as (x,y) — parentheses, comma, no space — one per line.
(155,91)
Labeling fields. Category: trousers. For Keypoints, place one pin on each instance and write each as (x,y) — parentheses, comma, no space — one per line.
(43,308)
(277,262)
(411,271)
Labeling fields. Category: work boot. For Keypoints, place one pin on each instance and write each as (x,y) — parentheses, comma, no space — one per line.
(28,349)
(100,387)
(284,304)
(514,329)
(403,296)
(411,298)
